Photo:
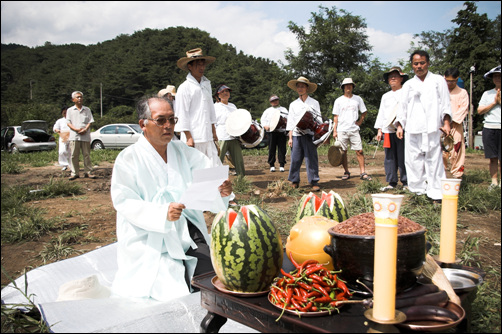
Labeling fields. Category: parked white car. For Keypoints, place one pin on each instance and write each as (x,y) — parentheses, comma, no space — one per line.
(30,136)
(116,136)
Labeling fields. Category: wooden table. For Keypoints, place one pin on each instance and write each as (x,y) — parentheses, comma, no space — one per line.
(260,314)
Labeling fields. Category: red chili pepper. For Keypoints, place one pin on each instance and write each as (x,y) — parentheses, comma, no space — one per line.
(325,299)
(318,279)
(286,274)
(304,265)
(297,266)
(289,295)
(303,292)
(300,299)
(321,289)
(304,285)
(307,307)
(313,269)
(344,288)
(314,294)
(341,296)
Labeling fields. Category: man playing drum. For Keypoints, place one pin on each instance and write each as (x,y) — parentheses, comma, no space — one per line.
(274,120)
(301,140)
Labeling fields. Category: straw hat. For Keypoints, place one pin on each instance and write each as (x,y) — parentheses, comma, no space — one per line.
(347,81)
(489,74)
(85,288)
(395,69)
(311,86)
(192,55)
(169,89)
(335,155)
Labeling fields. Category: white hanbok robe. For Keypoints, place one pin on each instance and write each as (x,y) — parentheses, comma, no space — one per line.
(151,249)
(423,107)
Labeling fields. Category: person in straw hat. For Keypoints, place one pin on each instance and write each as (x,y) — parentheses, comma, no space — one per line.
(277,138)
(346,126)
(194,106)
(169,93)
(489,106)
(394,147)
(301,140)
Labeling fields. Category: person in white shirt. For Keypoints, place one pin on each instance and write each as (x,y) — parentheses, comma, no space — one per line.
(194,106)
(424,112)
(489,106)
(346,122)
(79,118)
(228,143)
(301,141)
(394,147)
(277,139)
(161,243)
(61,127)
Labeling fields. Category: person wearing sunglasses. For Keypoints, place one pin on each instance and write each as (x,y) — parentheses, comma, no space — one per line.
(161,243)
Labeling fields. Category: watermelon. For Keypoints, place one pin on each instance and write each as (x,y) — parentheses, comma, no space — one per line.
(329,205)
(246,249)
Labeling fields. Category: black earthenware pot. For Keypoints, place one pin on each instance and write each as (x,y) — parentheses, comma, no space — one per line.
(354,255)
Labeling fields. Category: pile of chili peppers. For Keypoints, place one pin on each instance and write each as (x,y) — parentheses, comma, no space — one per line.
(311,287)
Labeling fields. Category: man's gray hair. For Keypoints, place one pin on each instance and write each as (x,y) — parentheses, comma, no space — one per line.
(73,95)
(143,106)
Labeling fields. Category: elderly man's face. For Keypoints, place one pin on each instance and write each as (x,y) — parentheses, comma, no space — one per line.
(395,80)
(159,135)
(274,103)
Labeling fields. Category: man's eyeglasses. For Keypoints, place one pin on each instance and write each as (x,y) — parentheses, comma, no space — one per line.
(161,121)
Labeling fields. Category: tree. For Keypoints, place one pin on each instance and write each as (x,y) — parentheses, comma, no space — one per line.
(333,47)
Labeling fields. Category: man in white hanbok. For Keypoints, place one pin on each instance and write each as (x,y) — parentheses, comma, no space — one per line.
(195,108)
(161,244)
(424,112)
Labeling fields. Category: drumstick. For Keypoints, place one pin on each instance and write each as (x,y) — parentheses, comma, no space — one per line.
(376,149)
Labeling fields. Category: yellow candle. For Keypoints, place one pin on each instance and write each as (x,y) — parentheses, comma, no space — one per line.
(448,236)
(384,280)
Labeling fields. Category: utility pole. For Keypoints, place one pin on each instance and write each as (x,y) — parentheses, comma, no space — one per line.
(471,107)
(101,97)
(31,89)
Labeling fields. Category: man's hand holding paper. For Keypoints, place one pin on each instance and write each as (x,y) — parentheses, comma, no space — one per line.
(207,188)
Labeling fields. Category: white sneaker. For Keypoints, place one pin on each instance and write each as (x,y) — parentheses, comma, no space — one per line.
(281,169)
(272,169)
(389,187)
(64,168)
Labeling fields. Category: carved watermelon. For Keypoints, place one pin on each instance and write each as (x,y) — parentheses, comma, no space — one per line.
(246,249)
(329,205)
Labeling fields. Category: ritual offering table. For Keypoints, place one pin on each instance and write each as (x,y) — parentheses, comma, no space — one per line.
(258,313)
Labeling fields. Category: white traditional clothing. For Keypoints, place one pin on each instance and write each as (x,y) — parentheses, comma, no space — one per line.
(423,107)
(151,249)
(64,150)
(388,111)
(195,109)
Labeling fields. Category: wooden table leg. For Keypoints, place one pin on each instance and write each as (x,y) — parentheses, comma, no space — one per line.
(212,323)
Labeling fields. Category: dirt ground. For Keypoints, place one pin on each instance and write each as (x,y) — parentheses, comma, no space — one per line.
(94,211)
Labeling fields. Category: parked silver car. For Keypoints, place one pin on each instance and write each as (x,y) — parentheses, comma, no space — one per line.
(30,136)
(115,136)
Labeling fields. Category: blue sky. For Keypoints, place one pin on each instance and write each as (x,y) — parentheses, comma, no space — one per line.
(257,28)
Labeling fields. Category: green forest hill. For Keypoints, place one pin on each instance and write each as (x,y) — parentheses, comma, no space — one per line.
(113,75)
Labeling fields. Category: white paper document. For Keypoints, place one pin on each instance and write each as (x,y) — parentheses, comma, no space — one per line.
(203,193)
